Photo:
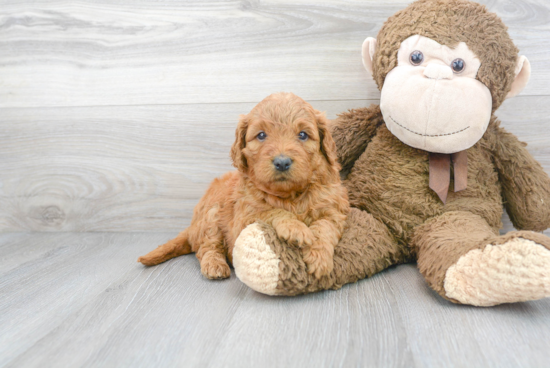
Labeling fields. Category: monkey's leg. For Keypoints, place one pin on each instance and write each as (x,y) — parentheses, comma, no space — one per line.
(466,262)
(270,266)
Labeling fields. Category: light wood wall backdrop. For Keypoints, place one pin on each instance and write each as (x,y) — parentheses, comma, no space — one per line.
(116,114)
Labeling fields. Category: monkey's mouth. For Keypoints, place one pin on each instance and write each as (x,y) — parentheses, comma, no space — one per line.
(428,135)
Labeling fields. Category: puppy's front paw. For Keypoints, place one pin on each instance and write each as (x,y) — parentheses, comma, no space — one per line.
(214,266)
(295,232)
(319,261)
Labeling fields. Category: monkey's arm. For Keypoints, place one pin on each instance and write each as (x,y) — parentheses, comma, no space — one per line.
(525,185)
(352,131)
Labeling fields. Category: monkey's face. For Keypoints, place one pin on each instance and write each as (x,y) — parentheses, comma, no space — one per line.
(432,101)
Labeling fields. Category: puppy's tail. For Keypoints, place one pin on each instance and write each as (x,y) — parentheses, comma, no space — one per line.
(174,248)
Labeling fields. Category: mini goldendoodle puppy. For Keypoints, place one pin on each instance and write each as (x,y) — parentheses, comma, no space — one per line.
(288,176)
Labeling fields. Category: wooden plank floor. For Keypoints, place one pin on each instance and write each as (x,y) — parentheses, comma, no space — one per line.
(144,168)
(114,117)
(79,299)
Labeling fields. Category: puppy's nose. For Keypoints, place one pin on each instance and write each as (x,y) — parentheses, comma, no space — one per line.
(282,163)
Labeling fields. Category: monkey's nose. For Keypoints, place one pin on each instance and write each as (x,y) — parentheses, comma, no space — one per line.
(282,162)
(436,71)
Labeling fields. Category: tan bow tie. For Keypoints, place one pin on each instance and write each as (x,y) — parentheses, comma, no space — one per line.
(440,172)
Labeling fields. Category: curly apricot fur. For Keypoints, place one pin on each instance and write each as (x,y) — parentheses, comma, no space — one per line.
(306,204)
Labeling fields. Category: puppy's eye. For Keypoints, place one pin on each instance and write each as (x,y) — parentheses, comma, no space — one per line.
(416,57)
(303,136)
(261,136)
(458,65)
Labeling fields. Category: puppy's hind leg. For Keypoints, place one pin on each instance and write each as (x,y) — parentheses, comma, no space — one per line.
(176,247)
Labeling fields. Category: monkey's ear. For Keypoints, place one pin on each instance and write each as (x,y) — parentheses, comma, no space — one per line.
(237,156)
(367,53)
(523,72)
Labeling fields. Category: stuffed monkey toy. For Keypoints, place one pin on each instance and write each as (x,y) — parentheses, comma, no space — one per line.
(429,170)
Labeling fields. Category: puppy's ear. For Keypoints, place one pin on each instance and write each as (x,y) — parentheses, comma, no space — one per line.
(328,147)
(239,161)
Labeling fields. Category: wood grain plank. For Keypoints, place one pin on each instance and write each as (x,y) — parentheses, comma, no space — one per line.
(95,169)
(353,327)
(443,334)
(163,316)
(39,294)
(92,305)
(19,248)
(54,53)
(143,168)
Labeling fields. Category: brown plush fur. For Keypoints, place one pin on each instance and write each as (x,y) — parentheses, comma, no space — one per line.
(306,205)
(402,219)
(441,241)
(396,216)
(366,248)
(380,184)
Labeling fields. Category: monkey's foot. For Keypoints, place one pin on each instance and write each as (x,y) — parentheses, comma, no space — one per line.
(255,262)
(514,271)
(271,266)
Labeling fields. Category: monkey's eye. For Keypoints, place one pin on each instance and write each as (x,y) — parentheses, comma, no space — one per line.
(261,136)
(416,57)
(458,65)
(303,136)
